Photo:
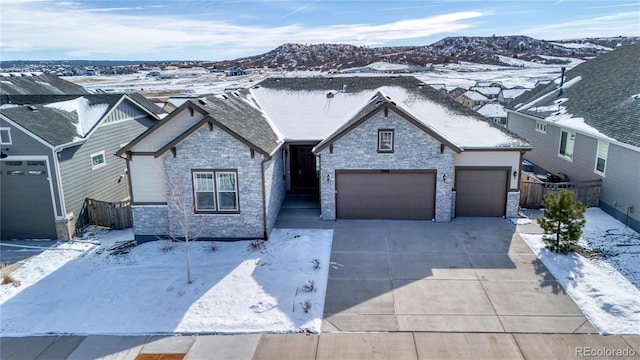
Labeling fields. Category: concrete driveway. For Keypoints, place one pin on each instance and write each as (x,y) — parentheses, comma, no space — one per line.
(468,275)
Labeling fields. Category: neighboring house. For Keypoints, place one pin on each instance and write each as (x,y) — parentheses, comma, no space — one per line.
(490,92)
(372,147)
(589,128)
(489,83)
(58,150)
(507,95)
(174,102)
(495,112)
(457,92)
(472,99)
(440,87)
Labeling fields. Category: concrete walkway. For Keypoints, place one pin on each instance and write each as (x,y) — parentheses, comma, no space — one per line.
(343,346)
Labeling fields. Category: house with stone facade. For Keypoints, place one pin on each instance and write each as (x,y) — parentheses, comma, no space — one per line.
(370,147)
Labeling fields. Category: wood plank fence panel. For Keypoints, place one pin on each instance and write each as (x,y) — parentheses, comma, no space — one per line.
(115,215)
(532,192)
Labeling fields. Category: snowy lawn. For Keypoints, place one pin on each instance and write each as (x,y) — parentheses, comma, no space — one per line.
(80,288)
(606,286)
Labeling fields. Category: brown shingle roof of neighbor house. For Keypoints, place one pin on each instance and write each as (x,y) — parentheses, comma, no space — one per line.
(600,96)
(43,84)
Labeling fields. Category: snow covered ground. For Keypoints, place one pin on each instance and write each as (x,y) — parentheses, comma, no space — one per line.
(79,288)
(199,81)
(606,287)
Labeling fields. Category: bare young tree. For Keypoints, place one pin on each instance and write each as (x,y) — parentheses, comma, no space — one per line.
(184,225)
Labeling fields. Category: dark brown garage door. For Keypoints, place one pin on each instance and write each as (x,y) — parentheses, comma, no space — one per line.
(481,192)
(401,195)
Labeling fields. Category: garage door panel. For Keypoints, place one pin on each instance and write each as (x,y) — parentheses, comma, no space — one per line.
(481,192)
(26,208)
(385,195)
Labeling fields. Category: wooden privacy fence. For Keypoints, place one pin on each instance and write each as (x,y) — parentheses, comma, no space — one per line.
(532,191)
(115,215)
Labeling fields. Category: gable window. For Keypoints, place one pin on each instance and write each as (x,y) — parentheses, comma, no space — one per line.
(567,141)
(5,136)
(215,191)
(601,157)
(541,127)
(98,160)
(385,140)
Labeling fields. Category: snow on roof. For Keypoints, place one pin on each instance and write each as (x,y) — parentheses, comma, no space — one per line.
(492,111)
(88,115)
(308,115)
(556,113)
(315,115)
(566,85)
(487,90)
(474,95)
(462,130)
(512,93)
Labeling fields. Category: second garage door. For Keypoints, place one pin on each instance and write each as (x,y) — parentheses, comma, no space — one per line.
(481,192)
(380,194)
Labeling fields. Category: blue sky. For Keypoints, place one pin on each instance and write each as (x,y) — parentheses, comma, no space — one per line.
(219,30)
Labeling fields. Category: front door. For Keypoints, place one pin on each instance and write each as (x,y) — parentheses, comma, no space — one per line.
(304,175)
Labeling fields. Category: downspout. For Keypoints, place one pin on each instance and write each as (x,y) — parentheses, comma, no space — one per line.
(264,198)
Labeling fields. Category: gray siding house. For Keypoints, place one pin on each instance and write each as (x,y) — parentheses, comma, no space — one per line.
(370,147)
(587,126)
(58,150)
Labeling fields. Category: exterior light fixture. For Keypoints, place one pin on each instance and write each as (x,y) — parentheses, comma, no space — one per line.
(328,177)
(515,174)
(444,177)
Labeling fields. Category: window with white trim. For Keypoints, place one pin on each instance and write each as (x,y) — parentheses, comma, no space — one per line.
(567,142)
(541,127)
(215,191)
(5,136)
(98,160)
(385,140)
(601,157)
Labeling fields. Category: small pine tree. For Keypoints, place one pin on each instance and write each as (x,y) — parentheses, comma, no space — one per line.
(564,218)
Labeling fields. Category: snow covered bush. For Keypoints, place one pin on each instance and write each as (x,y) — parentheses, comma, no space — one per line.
(564,219)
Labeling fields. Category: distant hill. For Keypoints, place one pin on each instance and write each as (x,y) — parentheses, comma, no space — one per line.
(484,50)
(325,57)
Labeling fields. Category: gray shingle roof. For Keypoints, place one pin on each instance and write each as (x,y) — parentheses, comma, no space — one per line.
(44,84)
(55,126)
(604,96)
(239,113)
(146,103)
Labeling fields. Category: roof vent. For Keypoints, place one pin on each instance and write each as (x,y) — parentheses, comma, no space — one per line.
(202,102)
(224,96)
(32,108)
(329,95)
(257,87)
(635,97)
(421,86)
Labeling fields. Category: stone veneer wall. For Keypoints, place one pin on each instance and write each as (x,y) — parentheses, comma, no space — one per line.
(275,188)
(513,204)
(149,221)
(217,150)
(413,149)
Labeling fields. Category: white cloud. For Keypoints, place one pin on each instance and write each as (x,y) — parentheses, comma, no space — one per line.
(65,27)
(625,23)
